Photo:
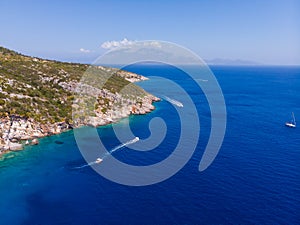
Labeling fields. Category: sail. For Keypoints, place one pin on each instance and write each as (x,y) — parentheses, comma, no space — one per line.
(294,120)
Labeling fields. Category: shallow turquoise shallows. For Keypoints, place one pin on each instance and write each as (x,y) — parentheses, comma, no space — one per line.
(253,180)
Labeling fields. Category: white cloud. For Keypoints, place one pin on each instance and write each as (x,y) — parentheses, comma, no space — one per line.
(84,50)
(156,44)
(116,44)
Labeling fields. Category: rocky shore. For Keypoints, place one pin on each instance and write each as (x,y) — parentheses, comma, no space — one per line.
(16,131)
(40,97)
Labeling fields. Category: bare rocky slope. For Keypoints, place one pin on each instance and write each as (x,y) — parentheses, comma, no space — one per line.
(41,97)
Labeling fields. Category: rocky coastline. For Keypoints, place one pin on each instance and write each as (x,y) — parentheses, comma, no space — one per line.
(40,97)
(16,131)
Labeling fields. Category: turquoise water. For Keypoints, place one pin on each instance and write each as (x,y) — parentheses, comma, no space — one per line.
(254,179)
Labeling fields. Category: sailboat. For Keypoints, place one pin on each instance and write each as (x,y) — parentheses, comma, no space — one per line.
(291,124)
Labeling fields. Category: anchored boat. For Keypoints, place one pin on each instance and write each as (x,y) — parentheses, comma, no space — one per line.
(291,124)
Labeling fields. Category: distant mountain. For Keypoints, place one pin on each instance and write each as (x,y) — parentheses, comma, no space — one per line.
(231,62)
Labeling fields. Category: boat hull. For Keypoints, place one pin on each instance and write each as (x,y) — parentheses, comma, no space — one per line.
(290,125)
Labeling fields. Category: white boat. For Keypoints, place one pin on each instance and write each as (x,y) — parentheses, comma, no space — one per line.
(173,101)
(99,160)
(291,124)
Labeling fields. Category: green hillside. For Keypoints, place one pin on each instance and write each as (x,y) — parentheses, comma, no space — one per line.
(43,89)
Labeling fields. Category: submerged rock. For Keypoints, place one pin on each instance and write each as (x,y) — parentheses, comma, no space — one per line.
(15,146)
(58,142)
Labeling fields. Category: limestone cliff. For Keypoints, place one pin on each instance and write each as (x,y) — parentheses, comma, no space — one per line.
(38,96)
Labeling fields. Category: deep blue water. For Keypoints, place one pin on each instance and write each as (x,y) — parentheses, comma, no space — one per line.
(254,179)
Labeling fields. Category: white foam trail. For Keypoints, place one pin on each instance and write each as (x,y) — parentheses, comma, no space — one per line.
(134,140)
(85,165)
(202,80)
(173,101)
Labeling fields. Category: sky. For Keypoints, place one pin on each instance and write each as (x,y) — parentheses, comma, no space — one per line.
(263,31)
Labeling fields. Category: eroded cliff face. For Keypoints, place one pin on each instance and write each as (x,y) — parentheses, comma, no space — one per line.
(43,97)
(16,131)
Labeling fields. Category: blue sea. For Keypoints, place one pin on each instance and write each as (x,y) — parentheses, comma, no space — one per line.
(255,178)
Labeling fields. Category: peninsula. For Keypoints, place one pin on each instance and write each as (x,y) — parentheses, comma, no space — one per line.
(38,97)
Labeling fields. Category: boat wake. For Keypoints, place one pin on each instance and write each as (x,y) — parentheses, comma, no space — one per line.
(173,101)
(85,165)
(99,160)
(134,140)
(201,80)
